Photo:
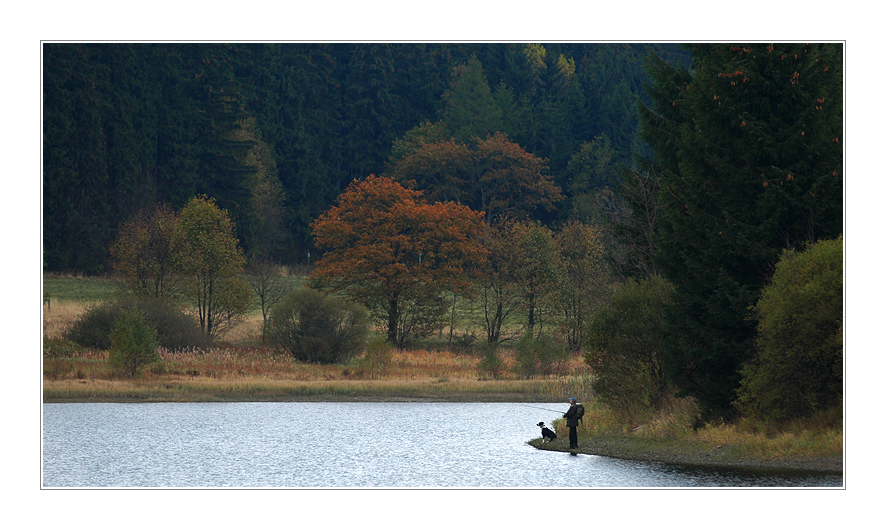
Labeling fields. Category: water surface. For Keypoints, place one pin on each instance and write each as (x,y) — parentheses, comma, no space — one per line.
(342,445)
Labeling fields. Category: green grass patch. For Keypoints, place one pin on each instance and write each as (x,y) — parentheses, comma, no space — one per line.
(84,289)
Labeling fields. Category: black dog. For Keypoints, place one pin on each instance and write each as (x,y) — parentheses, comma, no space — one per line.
(547,435)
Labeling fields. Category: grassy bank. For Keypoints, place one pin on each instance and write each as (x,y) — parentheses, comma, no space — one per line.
(261,374)
(811,445)
(245,389)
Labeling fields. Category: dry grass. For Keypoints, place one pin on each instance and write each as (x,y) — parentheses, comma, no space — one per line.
(242,367)
(58,316)
(805,443)
(259,373)
(669,431)
(252,389)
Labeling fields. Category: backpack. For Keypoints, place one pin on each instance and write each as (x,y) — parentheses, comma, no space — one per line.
(579,411)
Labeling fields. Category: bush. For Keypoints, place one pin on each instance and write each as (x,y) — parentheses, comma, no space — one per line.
(491,363)
(59,347)
(798,369)
(175,329)
(317,328)
(624,345)
(133,343)
(377,359)
(538,356)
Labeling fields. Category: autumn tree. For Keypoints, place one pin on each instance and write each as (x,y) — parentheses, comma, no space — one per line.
(500,296)
(142,254)
(492,175)
(208,253)
(387,248)
(533,265)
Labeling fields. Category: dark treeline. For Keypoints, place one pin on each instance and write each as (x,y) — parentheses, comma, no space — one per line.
(274,132)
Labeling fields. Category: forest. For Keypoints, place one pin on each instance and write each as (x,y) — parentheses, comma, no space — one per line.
(679,208)
(275,132)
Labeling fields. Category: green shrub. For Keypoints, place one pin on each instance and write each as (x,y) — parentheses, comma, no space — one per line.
(59,347)
(175,329)
(625,344)
(491,363)
(538,355)
(798,369)
(133,343)
(377,359)
(93,328)
(317,328)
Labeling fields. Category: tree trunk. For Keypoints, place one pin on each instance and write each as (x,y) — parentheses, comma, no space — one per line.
(393,317)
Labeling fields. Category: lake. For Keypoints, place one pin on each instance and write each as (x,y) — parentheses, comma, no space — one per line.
(343,445)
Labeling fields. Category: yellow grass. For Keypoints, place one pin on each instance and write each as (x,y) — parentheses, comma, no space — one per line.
(242,368)
(58,315)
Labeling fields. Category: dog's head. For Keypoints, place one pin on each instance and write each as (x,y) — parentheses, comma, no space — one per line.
(541,424)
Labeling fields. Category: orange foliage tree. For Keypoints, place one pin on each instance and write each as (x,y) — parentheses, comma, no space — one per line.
(388,248)
(494,175)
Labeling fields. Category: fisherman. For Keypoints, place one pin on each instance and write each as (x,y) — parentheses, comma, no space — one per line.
(572,417)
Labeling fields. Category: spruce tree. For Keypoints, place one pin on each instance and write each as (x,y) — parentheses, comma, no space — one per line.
(748,146)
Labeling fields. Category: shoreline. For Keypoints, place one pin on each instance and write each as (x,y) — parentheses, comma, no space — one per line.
(625,447)
(208,390)
(691,454)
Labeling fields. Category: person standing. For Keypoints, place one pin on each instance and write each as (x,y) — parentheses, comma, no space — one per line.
(572,418)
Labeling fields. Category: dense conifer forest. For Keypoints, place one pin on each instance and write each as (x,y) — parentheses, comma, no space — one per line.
(275,132)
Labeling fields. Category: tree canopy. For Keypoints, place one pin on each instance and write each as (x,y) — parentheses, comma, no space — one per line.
(386,247)
(276,131)
(208,254)
(493,175)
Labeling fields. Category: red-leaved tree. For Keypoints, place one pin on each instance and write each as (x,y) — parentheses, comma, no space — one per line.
(494,175)
(389,249)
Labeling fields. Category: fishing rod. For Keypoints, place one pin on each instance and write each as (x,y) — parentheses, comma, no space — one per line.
(541,408)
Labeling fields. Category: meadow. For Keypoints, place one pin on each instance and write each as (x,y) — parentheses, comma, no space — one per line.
(240,367)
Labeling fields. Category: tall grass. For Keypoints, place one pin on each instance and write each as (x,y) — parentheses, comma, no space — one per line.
(59,315)
(671,430)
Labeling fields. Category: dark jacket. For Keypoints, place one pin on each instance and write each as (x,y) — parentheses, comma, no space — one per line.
(572,416)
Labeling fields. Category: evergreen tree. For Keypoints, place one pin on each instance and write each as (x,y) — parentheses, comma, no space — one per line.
(469,109)
(368,128)
(749,156)
(308,143)
(76,181)
(223,170)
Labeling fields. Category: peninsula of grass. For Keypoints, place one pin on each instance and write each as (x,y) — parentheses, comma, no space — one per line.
(810,445)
